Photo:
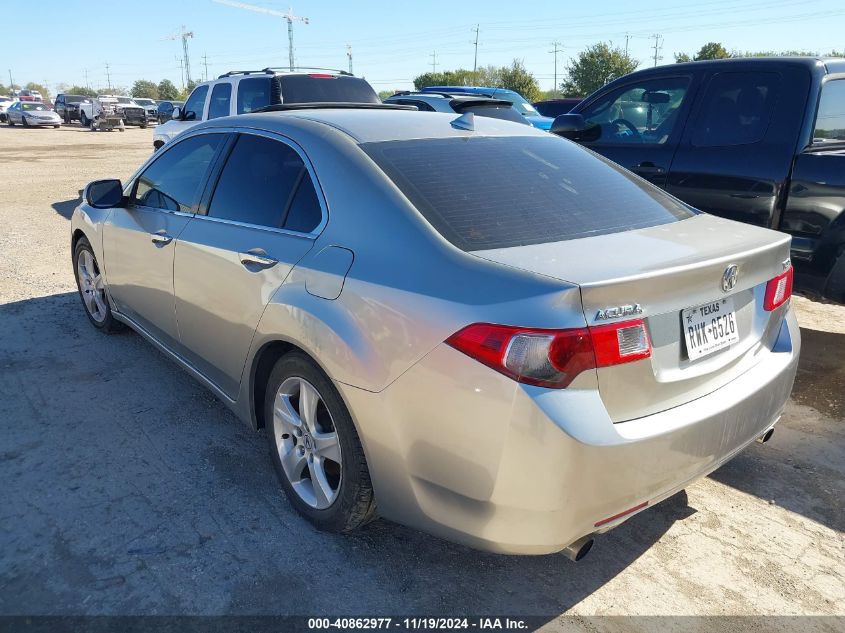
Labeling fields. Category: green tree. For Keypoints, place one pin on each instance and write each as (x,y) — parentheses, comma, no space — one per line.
(81,90)
(188,90)
(167,91)
(384,94)
(144,88)
(680,58)
(45,92)
(597,65)
(712,50)
(515,77)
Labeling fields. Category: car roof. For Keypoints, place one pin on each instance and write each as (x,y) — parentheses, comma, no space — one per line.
(828,65)
(375,125)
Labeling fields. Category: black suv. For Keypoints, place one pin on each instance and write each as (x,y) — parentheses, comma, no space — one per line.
(67,106)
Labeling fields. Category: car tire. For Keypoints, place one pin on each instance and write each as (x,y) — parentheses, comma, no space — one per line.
(83,119)
(92,291)
(10,122)
(351,503)
(24,121)
(834,288)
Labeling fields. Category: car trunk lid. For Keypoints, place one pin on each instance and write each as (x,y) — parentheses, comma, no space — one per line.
(664,275)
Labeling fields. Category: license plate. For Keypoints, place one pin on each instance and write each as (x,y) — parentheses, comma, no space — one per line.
(710,327)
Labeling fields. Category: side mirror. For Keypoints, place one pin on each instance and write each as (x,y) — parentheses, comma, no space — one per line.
(176,113)
(575,128)
(104,194)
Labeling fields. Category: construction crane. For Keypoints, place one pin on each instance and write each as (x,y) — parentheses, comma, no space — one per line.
(289,16)
(184,36)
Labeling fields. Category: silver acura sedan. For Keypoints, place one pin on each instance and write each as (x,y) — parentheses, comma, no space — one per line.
(465,325)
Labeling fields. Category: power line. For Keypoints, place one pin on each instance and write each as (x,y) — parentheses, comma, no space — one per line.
(658,46)
(475,59)
(556,50)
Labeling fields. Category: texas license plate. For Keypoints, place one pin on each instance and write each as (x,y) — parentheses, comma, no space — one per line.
(710,327)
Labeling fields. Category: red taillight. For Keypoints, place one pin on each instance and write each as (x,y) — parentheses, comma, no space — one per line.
(778,290)
(552,358)
(321,76)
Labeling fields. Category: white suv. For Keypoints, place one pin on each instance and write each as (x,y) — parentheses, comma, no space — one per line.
(241,92)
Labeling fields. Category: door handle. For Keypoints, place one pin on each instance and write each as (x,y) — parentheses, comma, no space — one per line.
(160,237)
(649,169)
(257,257)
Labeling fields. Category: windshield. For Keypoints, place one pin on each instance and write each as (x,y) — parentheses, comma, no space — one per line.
(830,121)
(74,98)
(126,100)
(519,190)
(29,105)
(145,102)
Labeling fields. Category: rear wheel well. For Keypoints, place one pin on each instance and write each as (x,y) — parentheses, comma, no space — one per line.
(77,234)
(263,365)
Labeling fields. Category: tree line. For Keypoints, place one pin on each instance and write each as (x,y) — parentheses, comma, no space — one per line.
(591,69)
(143,88)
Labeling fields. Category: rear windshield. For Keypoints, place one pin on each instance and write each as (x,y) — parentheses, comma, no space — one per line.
(333,89)
(74,98)
(497,192)
(830,121)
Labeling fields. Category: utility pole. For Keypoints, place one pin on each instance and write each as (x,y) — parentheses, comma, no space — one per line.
(108,76)
(556,50)
(433,62)
(289,16)
(11,83)
(475,59)
(205,63)
(186,63)
(349,55)
(658,45)
(87,84)
(627,39)
(181,70)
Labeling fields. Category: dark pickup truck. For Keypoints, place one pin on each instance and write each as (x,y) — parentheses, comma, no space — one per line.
(756,140)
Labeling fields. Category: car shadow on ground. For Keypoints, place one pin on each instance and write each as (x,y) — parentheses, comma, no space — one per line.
(802,468)
(66,207)
(130,488)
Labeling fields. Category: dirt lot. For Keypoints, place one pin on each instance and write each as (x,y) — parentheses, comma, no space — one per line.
(128,488)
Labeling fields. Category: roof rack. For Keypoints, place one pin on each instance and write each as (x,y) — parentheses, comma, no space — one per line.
(264,71)
(406,93)
(328,105)
(272,69)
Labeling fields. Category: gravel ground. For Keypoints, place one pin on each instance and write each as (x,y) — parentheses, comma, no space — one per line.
(128,488)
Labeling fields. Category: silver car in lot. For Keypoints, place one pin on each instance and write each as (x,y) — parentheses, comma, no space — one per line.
(469,326)
(28,113)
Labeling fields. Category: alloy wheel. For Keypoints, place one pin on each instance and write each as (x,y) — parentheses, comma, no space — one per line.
(91,286)
(307,442)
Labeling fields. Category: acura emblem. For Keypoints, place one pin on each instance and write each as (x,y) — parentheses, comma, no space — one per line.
(729,277)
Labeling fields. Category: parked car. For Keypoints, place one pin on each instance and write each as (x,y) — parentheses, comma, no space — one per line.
(247,91)
(28,95)
(150,107)
(555,107)
(460,103)
(756,140)
(484,332)
(67,106)
(5,102)
(129,111)
(31,113)
(165,110)
(522,105)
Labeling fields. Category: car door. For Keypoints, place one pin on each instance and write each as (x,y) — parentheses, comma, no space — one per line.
(139,240)
(262,214)
(736,153)
(192,112)
(638,125)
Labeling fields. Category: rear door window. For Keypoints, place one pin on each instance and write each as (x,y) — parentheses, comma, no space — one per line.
(519,190)
(736,109)
(830,121)
(253,94)
(172,181)
(319,88)
(266,183)
(220,97)
(195,104)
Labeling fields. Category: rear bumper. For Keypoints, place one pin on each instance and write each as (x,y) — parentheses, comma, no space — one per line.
(519,469)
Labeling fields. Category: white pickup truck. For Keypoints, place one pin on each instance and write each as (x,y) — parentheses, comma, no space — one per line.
(130,112)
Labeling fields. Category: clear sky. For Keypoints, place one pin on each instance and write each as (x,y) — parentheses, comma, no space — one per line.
(392,40)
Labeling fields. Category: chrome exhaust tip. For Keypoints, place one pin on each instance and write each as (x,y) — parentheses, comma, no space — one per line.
(766,436)
(579,549)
